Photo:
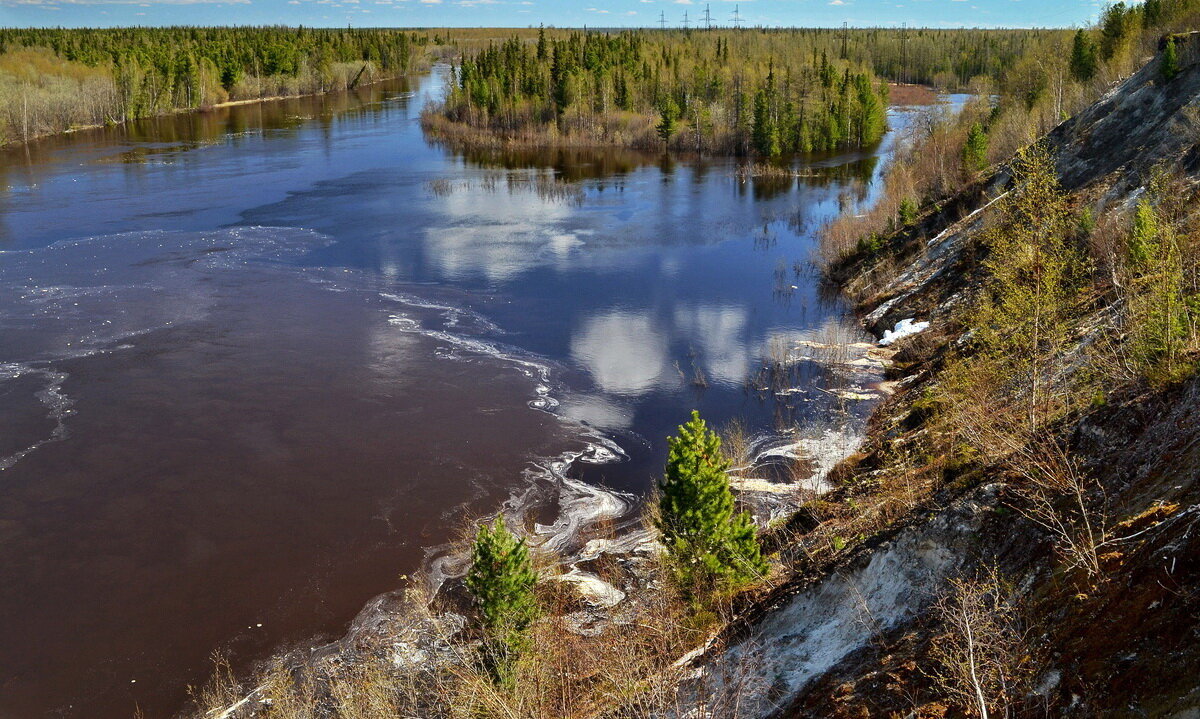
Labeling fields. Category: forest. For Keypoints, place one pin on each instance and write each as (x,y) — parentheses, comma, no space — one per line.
(766,92)
(52,80)
(763,91)
(705,92)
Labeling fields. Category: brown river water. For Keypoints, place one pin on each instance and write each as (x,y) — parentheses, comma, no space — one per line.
(258,363)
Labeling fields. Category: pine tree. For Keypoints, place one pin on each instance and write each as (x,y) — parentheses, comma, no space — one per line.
(712,546)
(1116,25)
(501,581)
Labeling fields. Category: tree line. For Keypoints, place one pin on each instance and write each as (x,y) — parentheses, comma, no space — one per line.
(52,79)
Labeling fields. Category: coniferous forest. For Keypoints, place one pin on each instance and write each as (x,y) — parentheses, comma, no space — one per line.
(52,80)
(762,92)
(692,91)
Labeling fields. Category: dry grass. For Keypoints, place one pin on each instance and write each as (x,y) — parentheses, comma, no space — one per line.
(627,669)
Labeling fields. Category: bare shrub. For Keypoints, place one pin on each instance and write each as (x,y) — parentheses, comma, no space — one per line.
(1061,499)
(981,662)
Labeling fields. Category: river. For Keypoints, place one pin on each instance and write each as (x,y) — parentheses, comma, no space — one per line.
(256,362)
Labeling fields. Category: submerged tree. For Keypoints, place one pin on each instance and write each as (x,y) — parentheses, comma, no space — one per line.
(501,581)
(712,546)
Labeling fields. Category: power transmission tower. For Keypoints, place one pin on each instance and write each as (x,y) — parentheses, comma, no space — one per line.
(845,38)
(662,20)
(904,53)
(737,16)
(685,20)
(707,18)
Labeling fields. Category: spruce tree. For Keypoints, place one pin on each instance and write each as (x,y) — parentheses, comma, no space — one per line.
(1170,61)
(711,545)
(669,122)
(975,149)
(1083,57)
(501,581)
(765,135)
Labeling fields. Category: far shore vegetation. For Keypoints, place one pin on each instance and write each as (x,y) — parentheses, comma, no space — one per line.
(763,93)
(55,80)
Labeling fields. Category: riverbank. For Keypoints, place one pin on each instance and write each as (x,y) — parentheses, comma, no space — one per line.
(57,79)
(613,625)
(374,79)
(985,561)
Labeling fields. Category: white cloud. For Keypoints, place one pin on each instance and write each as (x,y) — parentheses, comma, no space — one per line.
(625,352)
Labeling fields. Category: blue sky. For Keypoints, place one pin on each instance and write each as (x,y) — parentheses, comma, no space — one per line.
(519,13)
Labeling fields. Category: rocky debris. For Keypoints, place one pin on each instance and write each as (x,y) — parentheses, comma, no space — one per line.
(1141,121)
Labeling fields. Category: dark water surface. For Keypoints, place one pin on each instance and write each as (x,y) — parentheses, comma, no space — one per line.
(254,362)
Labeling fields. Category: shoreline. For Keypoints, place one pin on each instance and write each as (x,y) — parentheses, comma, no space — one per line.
(195,110)
(599,550)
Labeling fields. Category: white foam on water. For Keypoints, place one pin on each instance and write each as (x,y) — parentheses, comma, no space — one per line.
(823,450)
(51,396)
